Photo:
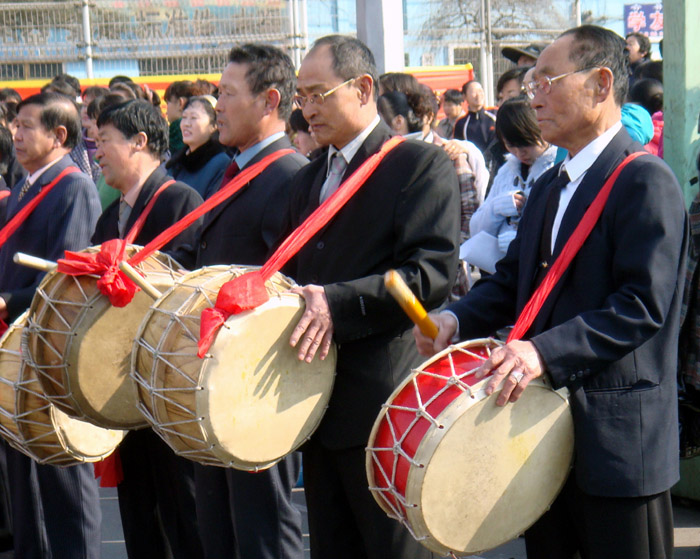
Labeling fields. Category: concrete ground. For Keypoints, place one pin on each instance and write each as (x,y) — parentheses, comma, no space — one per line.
(686,514)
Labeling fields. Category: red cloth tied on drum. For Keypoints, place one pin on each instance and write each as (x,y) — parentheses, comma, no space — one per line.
(113,284)
(248,291)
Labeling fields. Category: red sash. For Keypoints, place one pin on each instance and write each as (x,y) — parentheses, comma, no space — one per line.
(20,217)
(119,289)
(248,290)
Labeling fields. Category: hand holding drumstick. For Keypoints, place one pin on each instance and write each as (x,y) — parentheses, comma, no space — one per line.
(514,364)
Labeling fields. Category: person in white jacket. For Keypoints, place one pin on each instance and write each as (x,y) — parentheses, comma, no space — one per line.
(529,157)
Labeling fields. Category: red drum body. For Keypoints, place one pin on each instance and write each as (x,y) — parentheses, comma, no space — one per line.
(462,474)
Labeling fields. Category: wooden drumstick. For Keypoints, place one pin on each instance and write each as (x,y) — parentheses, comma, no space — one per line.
(34,262)
(411,306)
(148,288)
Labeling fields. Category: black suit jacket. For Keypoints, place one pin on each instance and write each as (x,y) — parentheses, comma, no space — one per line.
(244,228)
(609,330)
(406,216)
(174,203)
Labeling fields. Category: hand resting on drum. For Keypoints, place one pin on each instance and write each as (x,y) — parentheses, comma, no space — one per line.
(517,362)
(447,328)
(315,327)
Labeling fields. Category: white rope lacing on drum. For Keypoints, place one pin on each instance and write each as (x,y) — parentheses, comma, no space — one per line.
(47,349)
(390,496)
(160,372)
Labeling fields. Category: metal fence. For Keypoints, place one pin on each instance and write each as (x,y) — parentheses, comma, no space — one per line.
(41,39)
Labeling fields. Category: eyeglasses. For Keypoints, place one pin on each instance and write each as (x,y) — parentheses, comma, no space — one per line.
(544,84)
(318,98)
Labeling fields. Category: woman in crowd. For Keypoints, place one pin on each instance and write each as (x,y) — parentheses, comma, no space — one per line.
(529,156)
(411,115)
(202,162)
(300,136)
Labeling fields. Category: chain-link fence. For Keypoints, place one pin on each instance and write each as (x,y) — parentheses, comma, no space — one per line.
(137,37)
(168,37)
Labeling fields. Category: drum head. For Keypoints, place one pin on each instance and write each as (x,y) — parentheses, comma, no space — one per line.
(494,471)
(262,402)
(32,425)
(84,441)
(249,401)
(80,345)
(462,474)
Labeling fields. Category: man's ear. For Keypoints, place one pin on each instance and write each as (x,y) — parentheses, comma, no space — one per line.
(605,83)
(366,85)
(140,141)
(272,100)
(61,134)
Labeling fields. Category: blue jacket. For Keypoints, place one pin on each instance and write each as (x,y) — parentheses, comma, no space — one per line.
(64,220)
(203,169)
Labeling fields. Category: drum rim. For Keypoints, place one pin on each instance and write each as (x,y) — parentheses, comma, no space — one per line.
(432,440)
(369,449)
(211,454)
(411,519)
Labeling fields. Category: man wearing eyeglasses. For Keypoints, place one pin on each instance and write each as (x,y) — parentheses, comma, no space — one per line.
(405,216)
(609,329)
(247,514)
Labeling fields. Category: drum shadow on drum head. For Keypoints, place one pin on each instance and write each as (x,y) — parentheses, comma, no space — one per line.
(506,466)
(280,370)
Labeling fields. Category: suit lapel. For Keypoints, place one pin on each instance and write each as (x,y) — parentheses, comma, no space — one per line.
(282,143)
(369,147)
(50,174)
(586,192)
(532,233)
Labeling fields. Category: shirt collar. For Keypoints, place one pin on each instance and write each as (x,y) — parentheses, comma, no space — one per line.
(31,179)
(132,194)
(576,166)
(243,158)
(351,148)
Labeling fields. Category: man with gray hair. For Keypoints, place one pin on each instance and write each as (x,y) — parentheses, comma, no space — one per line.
(608,331)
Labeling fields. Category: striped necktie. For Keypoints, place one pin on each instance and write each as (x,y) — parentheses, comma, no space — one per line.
(24,189)
(335,177)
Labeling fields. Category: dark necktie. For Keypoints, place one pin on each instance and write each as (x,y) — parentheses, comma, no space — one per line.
(550,213)
(231,171)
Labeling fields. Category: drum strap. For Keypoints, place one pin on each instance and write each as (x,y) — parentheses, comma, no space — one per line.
(138,224)
(248,290)
(223,194)
(20,217)
(571,248)
(113,283)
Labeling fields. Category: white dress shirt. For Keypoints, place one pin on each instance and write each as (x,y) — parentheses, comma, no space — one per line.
(577,167)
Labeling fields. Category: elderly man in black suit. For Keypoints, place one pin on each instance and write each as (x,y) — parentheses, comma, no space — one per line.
(55,511)
(609,329)
(406,216)
(156,496)
(245,514)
